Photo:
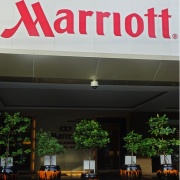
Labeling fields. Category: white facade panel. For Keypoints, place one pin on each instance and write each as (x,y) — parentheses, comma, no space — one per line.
(132,18)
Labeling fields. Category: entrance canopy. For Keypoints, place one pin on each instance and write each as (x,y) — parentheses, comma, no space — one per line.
(82,68)
(37,98)
(45,83)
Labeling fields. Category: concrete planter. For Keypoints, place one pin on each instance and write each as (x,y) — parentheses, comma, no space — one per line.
(128,159)
(47,161)
(9,161)
(168,159)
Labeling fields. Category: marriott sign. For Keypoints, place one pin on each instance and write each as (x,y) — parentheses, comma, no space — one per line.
(116,22)
(69,17)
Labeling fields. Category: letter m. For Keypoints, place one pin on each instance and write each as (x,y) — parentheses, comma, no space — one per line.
(28,21)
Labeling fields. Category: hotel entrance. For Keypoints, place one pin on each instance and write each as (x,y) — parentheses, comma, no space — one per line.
(112,157)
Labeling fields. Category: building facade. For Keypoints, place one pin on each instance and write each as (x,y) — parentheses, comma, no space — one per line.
(51,51)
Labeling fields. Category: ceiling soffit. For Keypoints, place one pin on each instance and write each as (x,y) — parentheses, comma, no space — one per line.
(67,69)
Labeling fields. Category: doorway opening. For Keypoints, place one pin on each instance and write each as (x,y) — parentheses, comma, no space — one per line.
(112,156)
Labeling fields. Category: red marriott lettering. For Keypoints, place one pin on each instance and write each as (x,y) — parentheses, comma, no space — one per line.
(28,22)
(101,18)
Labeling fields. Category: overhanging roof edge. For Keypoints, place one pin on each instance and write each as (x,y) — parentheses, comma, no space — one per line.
(88,54)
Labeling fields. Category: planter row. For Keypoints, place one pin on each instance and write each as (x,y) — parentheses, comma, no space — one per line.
(134,172)
(127,172)
(45,173)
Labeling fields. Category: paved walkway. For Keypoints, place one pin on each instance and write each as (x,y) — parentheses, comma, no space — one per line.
(77,177)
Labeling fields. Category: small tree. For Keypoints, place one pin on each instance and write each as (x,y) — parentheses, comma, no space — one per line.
(88,134)
(47,145)
(9,135)
(148,147)
(154,146)
(132,143)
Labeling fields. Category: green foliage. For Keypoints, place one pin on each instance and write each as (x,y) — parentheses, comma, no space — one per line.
(148,147)
(132,142)
(9,134)
(47,145)
(89,134)
(155,146)
(157,126)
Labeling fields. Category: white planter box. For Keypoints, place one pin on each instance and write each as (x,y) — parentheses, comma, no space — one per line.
(168,159)
(2,162)
(86,165)
(47,160)
(128,159)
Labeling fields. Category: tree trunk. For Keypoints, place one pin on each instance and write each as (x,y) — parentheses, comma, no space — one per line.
(89,164)
(131,157)
(7,148)
(165,162)
(89,160)
(50,159)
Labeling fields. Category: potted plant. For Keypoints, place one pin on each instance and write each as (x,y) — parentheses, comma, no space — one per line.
(10,135)
(161,145)
(46,147)
(131,170)
(89,136)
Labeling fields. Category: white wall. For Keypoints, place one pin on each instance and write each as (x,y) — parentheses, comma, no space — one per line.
(92,41)
(73,160)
